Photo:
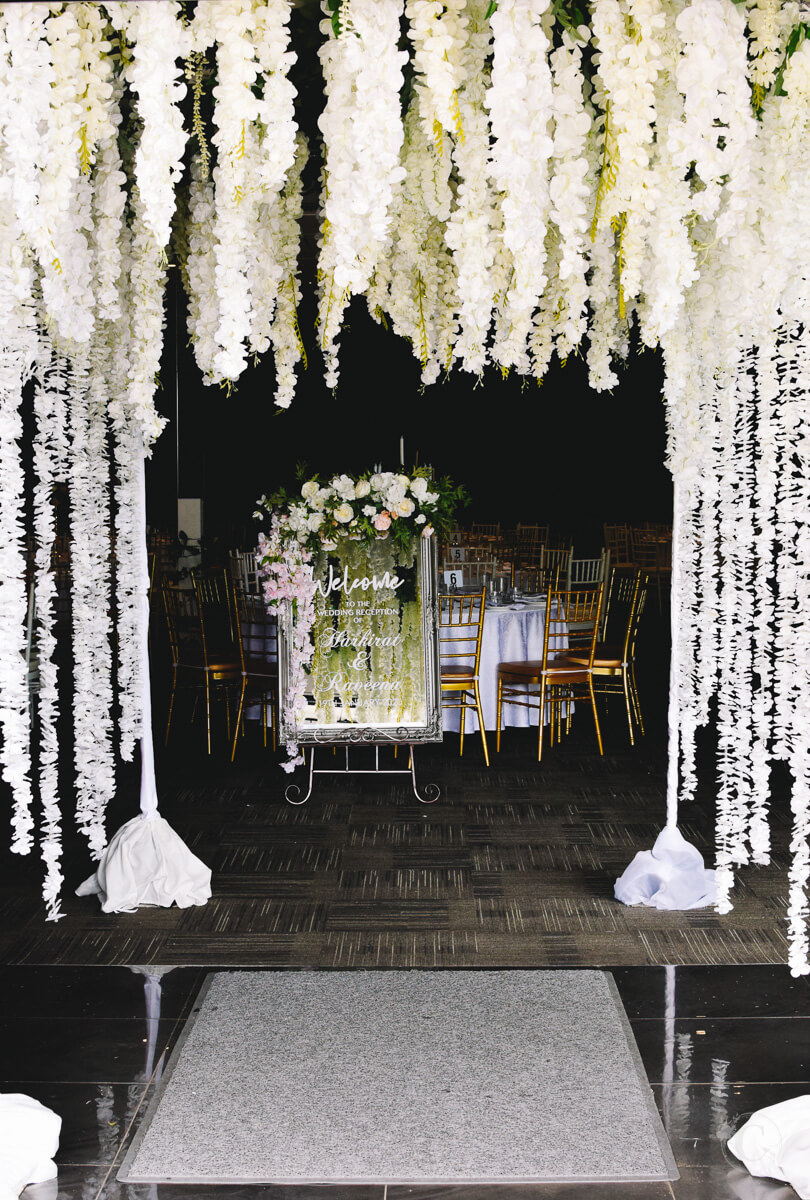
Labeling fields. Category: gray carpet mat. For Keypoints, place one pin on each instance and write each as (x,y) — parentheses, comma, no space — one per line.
(408,1077)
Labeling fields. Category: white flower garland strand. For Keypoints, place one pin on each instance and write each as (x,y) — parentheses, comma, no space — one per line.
(50,465)
(362,131)
(520,103)
(16,356)
(799,500)
(90,558)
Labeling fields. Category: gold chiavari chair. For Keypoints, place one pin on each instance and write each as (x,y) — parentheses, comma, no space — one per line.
(585,572)
(244,571)
(614,663)
(203,655)
(479,530)
(557,556)
(257,642)
(653,554)
(528,534)
(556,679)
(618,544)
(461,626)
(536,581)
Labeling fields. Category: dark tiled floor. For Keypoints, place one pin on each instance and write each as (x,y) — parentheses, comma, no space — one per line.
(717,1043)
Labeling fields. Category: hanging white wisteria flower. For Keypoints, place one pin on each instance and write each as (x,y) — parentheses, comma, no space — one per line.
(285,332)
(770,23)
(626,34)
(569,190)
(277,150)
(236,141)
(520,103)
(362,132)
(437,30)
(470,229)
(198,269)
(719,127)
(158,43)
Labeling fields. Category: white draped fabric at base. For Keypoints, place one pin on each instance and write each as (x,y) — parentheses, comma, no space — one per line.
(146,862)
(774,1143)
(29,1139)
(670,876)
(513,633)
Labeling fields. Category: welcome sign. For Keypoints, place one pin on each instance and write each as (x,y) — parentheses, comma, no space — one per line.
(373,674)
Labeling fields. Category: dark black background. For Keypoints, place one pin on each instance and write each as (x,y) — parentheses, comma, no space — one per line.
(557,453)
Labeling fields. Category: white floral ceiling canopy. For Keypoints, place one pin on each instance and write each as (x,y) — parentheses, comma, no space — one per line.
(502,182)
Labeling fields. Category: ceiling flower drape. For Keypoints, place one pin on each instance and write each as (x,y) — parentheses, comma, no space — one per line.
(502,181)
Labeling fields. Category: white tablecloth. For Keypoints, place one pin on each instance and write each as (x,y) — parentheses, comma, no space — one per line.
(511,634)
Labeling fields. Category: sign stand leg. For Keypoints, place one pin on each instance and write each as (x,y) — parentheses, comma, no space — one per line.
(431,791)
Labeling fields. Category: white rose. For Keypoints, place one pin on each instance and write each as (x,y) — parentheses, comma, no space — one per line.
(309,489)
(403,480)
(394,494)
(405,508)
(420,520)
(430,497)
(370,510)
(343,513)
(419,487)
(376,482)
(344,486)
(315,521)
(362,488)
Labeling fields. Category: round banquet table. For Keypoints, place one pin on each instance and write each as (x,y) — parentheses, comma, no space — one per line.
(511,633)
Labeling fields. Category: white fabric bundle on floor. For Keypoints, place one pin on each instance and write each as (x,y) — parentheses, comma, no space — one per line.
(146,862)
(775,1143)
(670,876)
(29,1139)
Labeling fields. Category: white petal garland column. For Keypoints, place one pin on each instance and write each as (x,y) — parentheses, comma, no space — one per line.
(51,453)
(90,562)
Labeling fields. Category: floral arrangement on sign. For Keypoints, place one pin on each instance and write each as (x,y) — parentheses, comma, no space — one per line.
(502,181)
(370,507)
(371,525)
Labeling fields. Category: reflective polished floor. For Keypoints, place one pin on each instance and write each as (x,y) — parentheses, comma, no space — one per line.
(717,1042)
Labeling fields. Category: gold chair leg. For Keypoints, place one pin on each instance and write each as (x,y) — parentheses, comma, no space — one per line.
(208,710)
(480,712)
(542,716)
(171,707)
(239,722)
(628,705)
(636,700)
(595,717)
(461,723)
(498,718)
(264,720)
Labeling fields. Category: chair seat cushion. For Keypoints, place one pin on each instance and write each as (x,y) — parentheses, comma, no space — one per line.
(606,656)
(559,670)
(455,670)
